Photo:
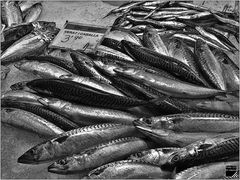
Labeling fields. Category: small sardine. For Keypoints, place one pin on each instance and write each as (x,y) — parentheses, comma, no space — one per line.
(29,121)
(75,141)
(99,155)
(86,115)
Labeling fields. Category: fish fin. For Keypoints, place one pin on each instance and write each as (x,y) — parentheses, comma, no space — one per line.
(174,172)
(61,139)
(204,146)
(157,101)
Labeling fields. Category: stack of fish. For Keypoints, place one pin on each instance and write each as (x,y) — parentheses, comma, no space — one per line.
(158,99)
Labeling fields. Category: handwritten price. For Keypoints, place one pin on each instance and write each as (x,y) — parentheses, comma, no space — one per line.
(66,38)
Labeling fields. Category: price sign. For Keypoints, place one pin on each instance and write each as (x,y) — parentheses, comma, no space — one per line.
(80,37)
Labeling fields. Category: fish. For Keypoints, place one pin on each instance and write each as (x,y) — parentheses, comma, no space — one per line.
(85,66)
(120,34)
(14,33)
(81,94)
(91,82)
(41,111)
(213,38)
(29,121)
(208,171)
(167,86)
(152,40)
(230,70)
(4,72)
(62,62)
(25,5)
(170,64)
(33,13)
(106,52)
(41,69)
(158,156)
(99,155)
(194,122)
(11,13)
(31,44)
(86,115)
(218,106)
(21,95)
(60,54)
(156,24)
(129,169)
(210,67)
(227,21)
(74,141)
(166,138)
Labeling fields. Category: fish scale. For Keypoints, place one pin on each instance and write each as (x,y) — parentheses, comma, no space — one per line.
(161,61)
(60,121)
(72,91)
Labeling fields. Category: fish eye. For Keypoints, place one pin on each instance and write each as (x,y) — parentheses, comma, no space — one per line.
(62,161)
(148,121)
(175,158)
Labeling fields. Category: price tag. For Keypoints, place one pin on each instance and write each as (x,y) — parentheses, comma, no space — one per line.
(80,37)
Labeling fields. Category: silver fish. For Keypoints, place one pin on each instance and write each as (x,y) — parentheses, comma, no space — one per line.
(42,69)
(86,115)
(29,121)
(75,141)
(33,13)
(98,155)
(129,169)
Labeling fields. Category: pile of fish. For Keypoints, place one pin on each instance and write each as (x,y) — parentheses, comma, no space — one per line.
(158,99)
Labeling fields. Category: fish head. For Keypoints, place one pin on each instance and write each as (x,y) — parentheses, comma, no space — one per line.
(19,86)
(53,103)
(40,153)
(63,166)
(43,25)
(39,85)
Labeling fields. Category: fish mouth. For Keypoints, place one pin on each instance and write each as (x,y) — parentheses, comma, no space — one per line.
(57,169)
(26,159)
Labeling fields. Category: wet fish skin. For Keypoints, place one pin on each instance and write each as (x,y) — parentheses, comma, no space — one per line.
(4,72)
(159,156)
(91,82)
(31,44)
(209,65)
(171,138)
(153,41)
(194,122)
(75,141)
(39,110)
(167,86)
(85,66)
(207,171)
(172,65)
(11,13)
(21,95)
(62,62)
(86,115)
(14,33)
(129,169)
(29,121)
(25,5)
(99,155)
(80,94)
(33,13)
(41,69)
